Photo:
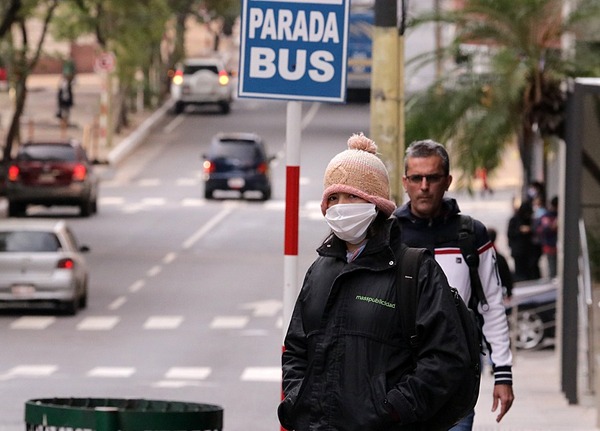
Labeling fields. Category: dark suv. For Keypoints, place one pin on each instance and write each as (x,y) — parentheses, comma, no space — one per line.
(51,173)
(237,161)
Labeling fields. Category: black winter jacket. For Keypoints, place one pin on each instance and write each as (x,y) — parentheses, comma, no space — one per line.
(347,365)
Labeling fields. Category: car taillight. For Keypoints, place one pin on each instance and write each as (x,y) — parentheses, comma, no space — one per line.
(209,167)
(79,172)
(223,77)
(262,168)
(13,173)
(66,263)
(178,77)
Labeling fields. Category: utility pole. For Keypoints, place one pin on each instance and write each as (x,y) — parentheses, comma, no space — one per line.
(387,89)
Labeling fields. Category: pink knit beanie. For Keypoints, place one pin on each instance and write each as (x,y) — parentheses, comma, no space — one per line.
(360,172)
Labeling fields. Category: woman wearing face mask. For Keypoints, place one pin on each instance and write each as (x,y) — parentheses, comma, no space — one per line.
(346,364)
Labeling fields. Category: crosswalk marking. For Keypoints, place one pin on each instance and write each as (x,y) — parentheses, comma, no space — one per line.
(261,374)
(186,373)
(98,323)
(31,371)
(111,372)
(229,322)
(163,322)
(32,322)
(149,182)
(174,377)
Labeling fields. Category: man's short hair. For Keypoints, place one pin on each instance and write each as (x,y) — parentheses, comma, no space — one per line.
(427,148)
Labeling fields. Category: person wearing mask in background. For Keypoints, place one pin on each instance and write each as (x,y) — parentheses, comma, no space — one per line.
(346,364)
(432,221)
(547,232)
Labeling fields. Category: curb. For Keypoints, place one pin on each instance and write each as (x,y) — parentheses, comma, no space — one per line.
(134,139)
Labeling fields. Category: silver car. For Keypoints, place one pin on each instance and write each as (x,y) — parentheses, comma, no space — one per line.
(41,264)
(202,81)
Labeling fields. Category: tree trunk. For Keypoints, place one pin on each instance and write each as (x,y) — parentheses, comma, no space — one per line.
(14,131)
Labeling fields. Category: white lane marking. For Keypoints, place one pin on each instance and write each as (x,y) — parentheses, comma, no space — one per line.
(208,226)
(149,182)
(229,322)
(174,384)
(137,285)
(169,257)
(112,372)
(266,308)
(261,374)
(154,201)
(190,202)
(29,371)
(112,200)
(32,322)
(98,323)
(310,115)
(117,303)
(187,182)
(254,333)
(155,270)
(188,373)
(163,322)
(173,124)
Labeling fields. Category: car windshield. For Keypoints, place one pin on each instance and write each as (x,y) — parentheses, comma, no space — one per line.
(22,241)
(190,69)
(47,152)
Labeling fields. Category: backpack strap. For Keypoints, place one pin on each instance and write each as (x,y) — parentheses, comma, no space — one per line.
(406,282)
(468,248)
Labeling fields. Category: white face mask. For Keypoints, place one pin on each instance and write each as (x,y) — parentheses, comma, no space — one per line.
(349,222)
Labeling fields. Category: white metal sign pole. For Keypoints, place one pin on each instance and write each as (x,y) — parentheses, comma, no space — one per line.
(292,205)
(293,131)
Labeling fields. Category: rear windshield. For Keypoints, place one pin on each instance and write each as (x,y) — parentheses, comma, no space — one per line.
(236,149)
(190,69)
(47,152)
(22,241)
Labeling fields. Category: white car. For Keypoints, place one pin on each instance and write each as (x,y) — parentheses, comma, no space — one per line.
(202,81)
(41,264)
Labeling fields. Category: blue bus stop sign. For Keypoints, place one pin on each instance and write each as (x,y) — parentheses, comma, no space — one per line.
(294,50)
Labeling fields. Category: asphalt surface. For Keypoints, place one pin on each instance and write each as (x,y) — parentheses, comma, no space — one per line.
(539,405)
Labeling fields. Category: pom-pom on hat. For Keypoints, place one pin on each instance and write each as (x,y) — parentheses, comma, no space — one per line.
(360,172)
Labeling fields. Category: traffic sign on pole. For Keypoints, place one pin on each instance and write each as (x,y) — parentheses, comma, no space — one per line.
(105,62)
(294,50)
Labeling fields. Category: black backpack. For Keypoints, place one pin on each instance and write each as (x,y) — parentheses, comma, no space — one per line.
(468,248)
(465,397)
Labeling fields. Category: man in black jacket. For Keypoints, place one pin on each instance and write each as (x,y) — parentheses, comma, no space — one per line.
(432,221)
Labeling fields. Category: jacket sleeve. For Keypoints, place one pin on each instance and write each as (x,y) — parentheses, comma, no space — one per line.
(442,351)
(294,362)
(495,323)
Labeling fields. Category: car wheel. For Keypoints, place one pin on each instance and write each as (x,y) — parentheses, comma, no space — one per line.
(70,307)
(266,194)
(16,209)
(83,298)
(94,206)
(225,107)
(208,194)
(179,107)
(530,330)
(86,208)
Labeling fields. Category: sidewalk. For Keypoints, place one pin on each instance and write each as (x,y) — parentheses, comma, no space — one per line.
(38,121)
(539,404)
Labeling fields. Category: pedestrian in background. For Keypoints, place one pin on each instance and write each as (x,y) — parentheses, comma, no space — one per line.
(432,221)
(547,233)
(521,242)
(65,101)
(346,363)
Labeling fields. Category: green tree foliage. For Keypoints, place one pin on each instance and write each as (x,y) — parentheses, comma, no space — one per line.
(522,95)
